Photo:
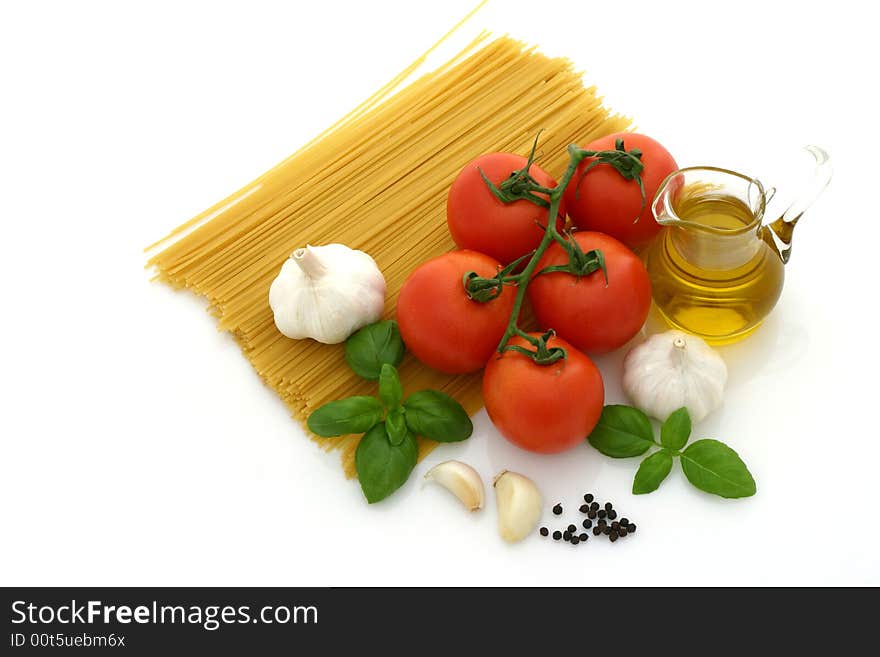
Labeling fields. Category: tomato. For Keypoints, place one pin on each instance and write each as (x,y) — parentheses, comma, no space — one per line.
(440,325)
(543,408)
(478,220)
(593,316)
(605,201)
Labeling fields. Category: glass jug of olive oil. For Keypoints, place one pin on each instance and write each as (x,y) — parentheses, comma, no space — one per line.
(716,269)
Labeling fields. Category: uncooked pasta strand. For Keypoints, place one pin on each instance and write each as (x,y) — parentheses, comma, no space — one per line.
(376,180)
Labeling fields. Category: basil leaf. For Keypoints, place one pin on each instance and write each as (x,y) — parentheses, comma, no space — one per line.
(395,427)
(652,472)
(712,466)
(373,346)
(390,390)
(622,431)
(674,433)
(344,416)
(436,415)
(382,468)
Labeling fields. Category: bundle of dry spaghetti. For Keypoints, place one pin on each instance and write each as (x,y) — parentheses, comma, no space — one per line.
(376,181)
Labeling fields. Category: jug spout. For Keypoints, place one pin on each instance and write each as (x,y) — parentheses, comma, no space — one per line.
(780,232)
(712,200)
(663,204)
(713,216)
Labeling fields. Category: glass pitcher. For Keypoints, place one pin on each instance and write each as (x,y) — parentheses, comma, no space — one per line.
(716,269)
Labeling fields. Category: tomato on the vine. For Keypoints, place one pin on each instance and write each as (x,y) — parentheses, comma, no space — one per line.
(440,324)
(478,220)
(605,201)
(543,408)
(593,315)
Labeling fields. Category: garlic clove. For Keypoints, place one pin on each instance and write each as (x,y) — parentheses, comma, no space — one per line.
(461,480)
(519,505)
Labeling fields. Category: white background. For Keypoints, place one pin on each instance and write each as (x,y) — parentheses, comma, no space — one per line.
(140,448)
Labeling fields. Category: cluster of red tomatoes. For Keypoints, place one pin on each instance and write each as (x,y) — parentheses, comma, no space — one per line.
(543,408)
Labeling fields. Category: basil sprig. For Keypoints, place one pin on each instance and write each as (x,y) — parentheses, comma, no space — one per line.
(387,453)
(710,465)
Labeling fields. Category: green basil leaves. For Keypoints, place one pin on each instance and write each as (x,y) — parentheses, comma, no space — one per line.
(674,433)
(436,415)
(652,472)
(381,466)
(710,465)
(390,390)
(350,415)
(622,431)
(395,426)
(713,467)
(388,451)
(373,346)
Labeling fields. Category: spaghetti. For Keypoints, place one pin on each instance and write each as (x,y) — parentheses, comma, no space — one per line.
(376,181)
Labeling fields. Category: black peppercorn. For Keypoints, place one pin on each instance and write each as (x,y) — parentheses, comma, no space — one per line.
(601,519)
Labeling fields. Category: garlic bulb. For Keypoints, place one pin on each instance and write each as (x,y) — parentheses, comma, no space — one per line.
(327,293)
(519,505)
(461,480)
(671,370)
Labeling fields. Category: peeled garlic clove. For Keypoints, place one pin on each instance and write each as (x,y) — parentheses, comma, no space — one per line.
(461,480)
(519,505)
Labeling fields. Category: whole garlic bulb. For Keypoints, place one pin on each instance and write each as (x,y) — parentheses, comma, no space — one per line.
(327,293)
(671,370)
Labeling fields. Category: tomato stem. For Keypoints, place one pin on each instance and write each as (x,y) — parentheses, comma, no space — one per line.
(483,290)
(551,234)
(627,163)
(521,185)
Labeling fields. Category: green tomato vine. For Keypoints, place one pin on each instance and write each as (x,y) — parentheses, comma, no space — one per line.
(520,185)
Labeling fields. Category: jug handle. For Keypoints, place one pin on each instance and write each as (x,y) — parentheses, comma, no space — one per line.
(782,229)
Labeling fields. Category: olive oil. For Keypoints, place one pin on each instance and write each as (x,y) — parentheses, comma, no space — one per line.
(712,272)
